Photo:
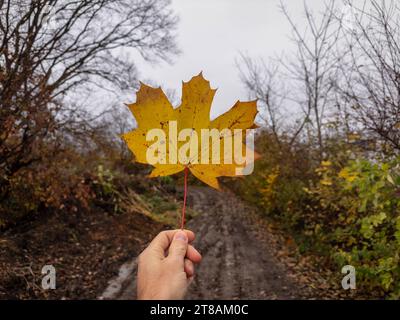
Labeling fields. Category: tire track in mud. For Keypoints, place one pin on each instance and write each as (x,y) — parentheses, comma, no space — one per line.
(236,265)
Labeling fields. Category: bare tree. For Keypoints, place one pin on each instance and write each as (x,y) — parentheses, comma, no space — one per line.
(260,80)
(313,66)
(371,75)
(49,47)
(310,73)
(265,83)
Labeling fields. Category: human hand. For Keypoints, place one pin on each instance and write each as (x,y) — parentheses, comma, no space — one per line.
(166,266)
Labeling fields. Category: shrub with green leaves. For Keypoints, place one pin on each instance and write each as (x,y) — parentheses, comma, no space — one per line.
(367,234)
(346,210)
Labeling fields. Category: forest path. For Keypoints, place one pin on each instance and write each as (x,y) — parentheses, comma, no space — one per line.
(237,263)
(242,259)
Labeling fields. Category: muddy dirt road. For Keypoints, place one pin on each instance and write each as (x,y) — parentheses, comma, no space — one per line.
(236,264)
(240,261)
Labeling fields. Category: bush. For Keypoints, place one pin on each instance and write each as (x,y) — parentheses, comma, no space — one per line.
(364,197)
(347,210)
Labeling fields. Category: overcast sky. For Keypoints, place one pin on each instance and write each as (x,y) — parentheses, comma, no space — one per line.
(213,33)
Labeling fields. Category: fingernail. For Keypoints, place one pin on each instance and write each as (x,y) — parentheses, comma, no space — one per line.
(180,236)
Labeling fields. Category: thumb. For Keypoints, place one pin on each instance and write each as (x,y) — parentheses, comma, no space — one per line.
(178,245)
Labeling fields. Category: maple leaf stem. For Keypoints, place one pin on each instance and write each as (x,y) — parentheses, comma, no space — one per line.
(184,198)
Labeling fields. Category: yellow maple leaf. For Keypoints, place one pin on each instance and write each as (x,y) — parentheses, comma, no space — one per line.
(346,174)
(152,110)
